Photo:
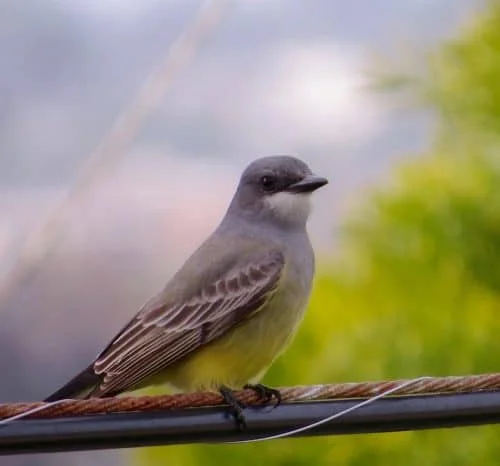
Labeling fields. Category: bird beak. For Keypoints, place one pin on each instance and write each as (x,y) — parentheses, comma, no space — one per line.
(307,185)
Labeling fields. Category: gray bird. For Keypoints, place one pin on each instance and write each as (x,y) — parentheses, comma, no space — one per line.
(233,306)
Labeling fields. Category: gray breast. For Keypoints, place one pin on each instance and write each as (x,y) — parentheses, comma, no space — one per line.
(295,288)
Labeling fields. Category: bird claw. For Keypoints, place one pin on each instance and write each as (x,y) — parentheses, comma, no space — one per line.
(236,408)
(264,393)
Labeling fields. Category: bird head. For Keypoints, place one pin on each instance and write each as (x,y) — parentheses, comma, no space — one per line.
(276,189)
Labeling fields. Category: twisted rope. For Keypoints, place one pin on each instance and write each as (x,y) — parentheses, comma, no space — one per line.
(425,386)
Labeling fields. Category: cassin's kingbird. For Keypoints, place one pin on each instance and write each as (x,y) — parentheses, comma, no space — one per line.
(234,305)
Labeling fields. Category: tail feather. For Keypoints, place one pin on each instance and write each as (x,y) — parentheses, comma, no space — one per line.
(79,387)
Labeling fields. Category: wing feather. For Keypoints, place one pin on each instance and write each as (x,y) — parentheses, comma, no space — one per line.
(162,334)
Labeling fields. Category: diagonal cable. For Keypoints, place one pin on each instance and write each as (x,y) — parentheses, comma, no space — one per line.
(41,242)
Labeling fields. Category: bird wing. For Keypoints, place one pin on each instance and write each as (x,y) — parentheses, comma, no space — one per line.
(162,334)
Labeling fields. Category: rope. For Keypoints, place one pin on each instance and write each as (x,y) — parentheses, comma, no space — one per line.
(421,386)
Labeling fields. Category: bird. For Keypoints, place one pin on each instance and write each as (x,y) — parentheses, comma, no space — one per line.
(231,309)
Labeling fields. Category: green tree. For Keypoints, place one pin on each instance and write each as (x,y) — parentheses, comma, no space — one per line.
(414,288)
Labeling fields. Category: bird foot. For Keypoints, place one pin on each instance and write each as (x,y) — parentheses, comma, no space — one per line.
(266,394)
(236,407)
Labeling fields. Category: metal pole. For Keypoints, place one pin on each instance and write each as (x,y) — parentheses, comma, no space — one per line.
(213,425)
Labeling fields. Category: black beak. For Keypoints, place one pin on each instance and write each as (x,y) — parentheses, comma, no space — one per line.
(307,185)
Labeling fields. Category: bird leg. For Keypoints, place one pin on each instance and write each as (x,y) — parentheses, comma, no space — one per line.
(264,393)
(236,407)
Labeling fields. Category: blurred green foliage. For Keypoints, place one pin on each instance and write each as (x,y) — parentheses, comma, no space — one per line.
(463,76)
(414,288)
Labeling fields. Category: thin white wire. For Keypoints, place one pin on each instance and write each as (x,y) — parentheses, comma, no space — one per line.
(402,385)
(11,419)
(336,415)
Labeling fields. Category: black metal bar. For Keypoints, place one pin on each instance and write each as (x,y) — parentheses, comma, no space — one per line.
(208,425)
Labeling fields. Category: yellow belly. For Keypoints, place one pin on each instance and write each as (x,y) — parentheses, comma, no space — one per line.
(244,354)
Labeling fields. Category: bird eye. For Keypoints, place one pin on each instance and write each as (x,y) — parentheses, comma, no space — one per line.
(268,183)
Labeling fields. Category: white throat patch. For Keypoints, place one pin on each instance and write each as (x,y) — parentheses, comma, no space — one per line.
(289,206)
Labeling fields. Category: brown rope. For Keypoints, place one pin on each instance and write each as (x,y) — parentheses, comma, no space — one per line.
(427,386)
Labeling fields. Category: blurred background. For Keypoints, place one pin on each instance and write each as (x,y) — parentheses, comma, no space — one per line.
(397,103)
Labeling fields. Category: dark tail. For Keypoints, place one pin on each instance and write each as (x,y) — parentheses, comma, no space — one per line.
(79,387)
